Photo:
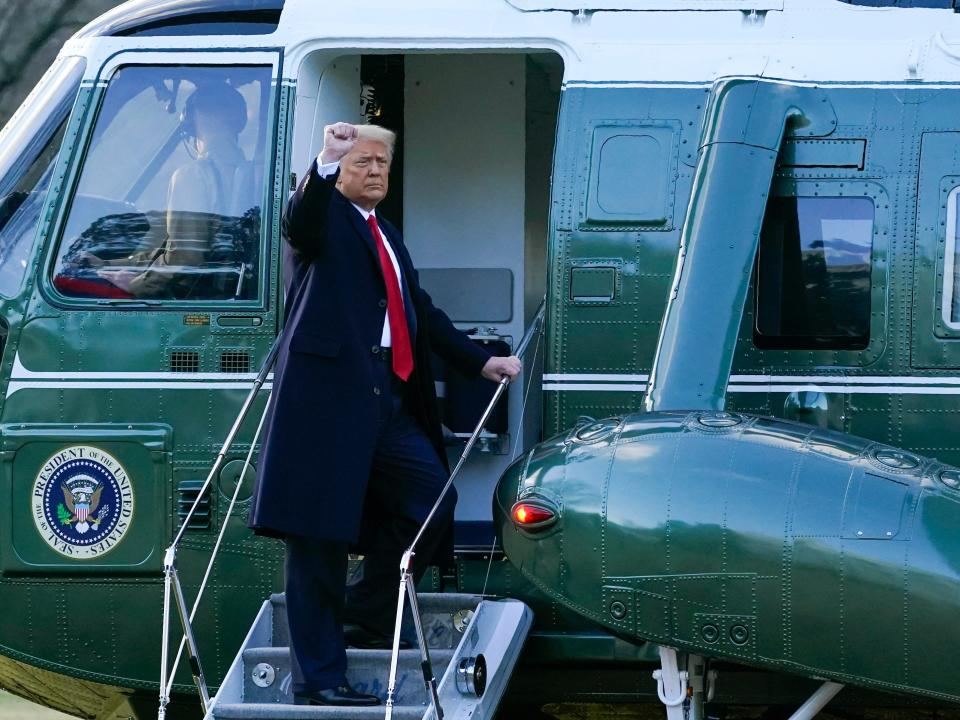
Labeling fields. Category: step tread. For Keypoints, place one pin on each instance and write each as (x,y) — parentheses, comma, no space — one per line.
(268,652)
(425,599)
(436,610)
(280,711)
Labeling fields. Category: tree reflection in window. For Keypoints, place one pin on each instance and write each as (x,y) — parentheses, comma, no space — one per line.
(168,201)
(813,273)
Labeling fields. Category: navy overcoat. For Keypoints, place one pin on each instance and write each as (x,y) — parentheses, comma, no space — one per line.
(320,433)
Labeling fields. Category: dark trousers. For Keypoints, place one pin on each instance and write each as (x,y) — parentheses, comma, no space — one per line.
(405,481)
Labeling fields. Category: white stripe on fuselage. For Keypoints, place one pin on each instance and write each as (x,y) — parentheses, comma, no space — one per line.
(864,384)
(19,372)
(22,378)
(16,385)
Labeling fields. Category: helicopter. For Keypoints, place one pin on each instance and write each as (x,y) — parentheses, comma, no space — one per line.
(730,456)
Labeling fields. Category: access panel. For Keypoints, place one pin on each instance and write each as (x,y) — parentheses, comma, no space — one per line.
(936,322)
(85,498)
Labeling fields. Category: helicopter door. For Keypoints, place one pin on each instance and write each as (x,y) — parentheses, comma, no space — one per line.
(156,303)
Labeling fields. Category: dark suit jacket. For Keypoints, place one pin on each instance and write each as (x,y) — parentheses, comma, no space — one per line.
(321,431)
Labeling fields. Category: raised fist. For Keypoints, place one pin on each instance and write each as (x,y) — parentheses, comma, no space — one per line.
(338,140)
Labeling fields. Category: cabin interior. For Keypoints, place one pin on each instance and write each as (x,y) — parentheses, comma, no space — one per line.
(470,188)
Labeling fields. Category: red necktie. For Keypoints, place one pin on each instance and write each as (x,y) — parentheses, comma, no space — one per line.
(402,352)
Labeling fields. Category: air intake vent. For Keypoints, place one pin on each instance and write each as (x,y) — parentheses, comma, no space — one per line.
(934,4)
(199,17)
(235,361)
(185,361)
(187,492)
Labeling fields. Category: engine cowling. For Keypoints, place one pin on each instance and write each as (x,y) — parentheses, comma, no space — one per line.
(759,540)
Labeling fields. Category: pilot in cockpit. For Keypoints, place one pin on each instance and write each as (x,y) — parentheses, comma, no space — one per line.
(212,187)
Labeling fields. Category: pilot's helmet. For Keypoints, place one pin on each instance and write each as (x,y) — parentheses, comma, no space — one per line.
(218,100)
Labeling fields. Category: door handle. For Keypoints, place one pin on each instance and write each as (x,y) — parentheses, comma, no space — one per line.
(239,321)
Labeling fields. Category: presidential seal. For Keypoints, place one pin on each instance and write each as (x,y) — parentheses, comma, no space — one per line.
(82,502)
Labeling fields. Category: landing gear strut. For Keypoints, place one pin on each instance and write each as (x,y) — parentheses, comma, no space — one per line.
(684,692)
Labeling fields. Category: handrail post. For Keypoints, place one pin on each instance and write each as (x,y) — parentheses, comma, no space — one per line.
(407,588)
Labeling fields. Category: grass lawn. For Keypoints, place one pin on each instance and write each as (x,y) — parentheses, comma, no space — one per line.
(14,708)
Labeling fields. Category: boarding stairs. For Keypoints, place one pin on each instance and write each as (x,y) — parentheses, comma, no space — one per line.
(459,628)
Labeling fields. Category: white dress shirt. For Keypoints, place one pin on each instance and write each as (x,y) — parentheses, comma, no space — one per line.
(325,171)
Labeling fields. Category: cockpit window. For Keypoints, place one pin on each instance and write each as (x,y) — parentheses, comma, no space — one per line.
(813,273)
(168,204)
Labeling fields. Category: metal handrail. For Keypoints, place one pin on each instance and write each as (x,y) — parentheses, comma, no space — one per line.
(171,584)
(407,588)
(216,546)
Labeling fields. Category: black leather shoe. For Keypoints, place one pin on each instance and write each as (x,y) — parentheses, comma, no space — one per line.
(357,636)
(344,696)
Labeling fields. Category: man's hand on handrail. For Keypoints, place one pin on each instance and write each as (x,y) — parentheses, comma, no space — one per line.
(498,367)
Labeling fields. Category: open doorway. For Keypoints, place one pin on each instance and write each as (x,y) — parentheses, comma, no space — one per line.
(469,187)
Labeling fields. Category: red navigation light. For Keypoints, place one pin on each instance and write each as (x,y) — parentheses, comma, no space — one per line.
(532,516)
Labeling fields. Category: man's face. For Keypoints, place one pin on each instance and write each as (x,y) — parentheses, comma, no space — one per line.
(208,128)
(363,173)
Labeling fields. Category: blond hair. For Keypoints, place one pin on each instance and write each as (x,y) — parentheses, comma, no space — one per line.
(387,138)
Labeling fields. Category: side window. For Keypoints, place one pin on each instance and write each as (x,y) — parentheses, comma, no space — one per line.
(168,203)
(813,274)
(23,188)
(951,266)
(20,212)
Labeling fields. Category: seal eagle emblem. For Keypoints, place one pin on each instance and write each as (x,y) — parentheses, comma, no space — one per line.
(82,502)
(82,498)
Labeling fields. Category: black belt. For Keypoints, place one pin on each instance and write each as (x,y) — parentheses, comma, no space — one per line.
(396,384)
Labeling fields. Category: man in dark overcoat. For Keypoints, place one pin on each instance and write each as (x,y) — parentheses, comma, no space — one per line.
(354,430)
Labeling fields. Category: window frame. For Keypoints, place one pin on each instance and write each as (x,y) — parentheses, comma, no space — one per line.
(267,57)
(879,281)
(933,344)
(807,341)
(946,289)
